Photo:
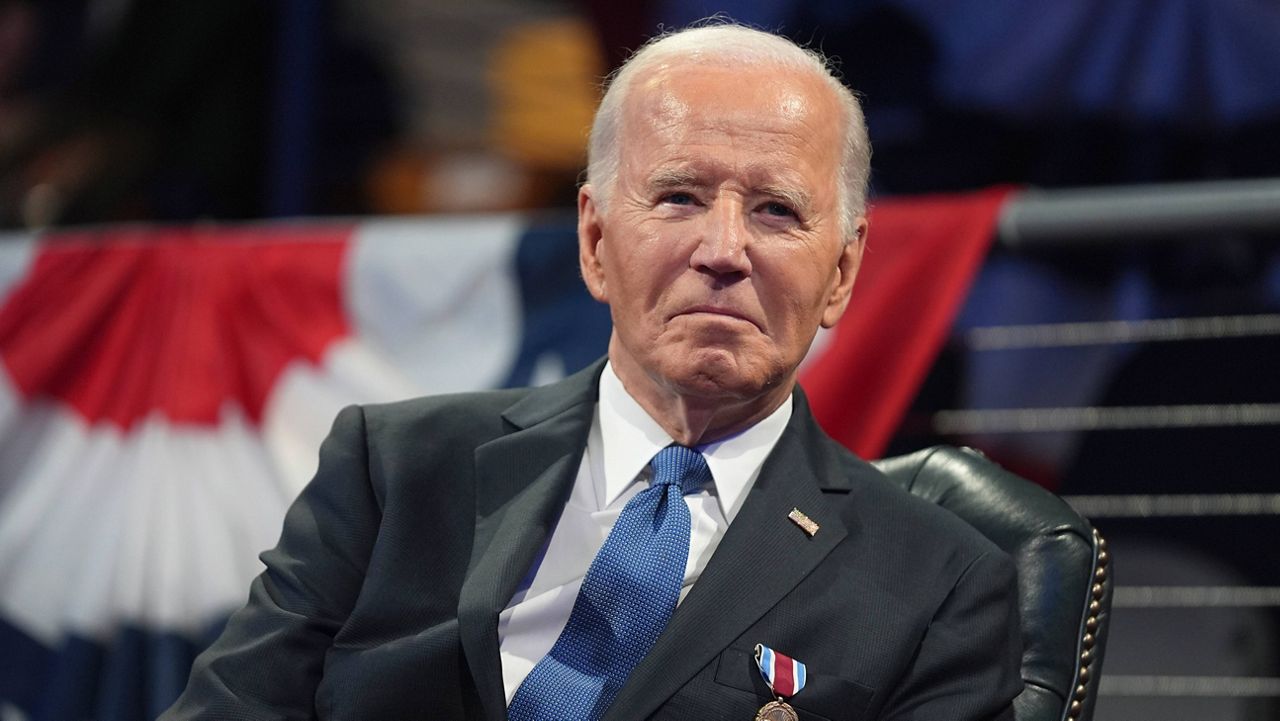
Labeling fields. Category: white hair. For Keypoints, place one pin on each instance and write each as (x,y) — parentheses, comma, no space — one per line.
(724,43)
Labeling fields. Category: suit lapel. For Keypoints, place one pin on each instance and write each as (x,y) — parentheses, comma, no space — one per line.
(523,480)
(762,557)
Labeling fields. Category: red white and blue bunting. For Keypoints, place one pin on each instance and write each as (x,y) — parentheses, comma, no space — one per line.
(163,392)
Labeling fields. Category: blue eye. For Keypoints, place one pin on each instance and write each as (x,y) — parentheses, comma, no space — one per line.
(678,199)
(778,209)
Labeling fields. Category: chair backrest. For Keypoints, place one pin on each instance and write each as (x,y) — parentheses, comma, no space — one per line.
(1064,579)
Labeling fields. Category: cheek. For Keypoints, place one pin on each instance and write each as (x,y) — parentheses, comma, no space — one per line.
(636,287)
(653,265)
(799,300)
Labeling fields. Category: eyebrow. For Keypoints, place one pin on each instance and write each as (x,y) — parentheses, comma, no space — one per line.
(667,178)
(797,198)
(674,178)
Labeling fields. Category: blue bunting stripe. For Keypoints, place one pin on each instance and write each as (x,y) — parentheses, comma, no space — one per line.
(136,674)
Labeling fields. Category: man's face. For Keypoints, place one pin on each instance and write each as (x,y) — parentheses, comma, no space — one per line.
(719,249)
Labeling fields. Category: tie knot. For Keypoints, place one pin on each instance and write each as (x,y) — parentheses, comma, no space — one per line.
(682,466)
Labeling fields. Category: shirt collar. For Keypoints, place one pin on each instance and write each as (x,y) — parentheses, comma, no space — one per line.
(630,439)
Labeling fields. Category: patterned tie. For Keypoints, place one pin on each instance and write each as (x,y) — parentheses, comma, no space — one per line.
(625,601)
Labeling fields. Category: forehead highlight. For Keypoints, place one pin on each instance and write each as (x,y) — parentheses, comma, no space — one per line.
(677,98)
(794,92)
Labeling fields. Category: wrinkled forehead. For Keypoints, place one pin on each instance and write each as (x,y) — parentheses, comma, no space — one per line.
(769,125)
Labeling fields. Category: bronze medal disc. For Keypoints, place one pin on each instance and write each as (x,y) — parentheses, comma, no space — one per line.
(777,711)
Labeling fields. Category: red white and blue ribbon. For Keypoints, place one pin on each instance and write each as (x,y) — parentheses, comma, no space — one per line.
(785,675)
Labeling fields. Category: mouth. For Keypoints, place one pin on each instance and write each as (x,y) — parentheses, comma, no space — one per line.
(720,311)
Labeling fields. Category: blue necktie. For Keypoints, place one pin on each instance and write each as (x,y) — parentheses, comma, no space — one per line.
(626,599)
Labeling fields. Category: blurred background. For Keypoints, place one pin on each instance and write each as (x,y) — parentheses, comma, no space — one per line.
(1120,342)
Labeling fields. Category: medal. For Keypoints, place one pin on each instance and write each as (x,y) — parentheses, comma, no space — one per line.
(785,677)
(777,711)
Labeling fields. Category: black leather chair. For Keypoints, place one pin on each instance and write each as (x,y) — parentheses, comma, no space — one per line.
(1064,580)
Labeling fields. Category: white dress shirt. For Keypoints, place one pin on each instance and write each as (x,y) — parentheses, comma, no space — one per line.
(622,441)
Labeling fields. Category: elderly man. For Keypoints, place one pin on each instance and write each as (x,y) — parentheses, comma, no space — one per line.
(646,537)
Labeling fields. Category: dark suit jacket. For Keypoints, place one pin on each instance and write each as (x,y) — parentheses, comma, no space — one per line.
(381,600)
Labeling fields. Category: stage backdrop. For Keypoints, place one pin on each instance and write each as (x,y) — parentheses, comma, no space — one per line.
(164,390)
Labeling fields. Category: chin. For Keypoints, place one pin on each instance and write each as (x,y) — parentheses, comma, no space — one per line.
(718,373)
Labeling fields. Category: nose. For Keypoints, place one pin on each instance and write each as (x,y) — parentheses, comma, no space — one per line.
(722,247)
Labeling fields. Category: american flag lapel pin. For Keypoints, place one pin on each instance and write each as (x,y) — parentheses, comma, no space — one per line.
(805,523)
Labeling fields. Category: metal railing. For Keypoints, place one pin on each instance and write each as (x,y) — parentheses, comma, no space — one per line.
(1140,212)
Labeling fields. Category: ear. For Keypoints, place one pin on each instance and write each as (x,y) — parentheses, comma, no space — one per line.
(846,270)
(590,243)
